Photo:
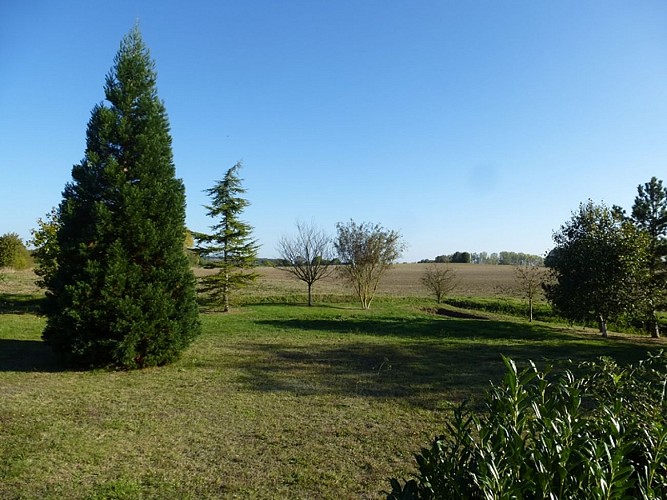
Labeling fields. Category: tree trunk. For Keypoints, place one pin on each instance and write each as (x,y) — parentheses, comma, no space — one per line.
(310,295)
(225,291)
(654,326)
(603,326)
(530,306)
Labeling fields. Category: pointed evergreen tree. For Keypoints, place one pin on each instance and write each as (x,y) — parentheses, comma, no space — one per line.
(230,249)
(649,212)
(121,291)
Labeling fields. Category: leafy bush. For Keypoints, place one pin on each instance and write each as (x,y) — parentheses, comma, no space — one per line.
(13,252)
(601,435)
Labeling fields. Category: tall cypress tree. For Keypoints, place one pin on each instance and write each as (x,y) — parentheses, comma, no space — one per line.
(122,292)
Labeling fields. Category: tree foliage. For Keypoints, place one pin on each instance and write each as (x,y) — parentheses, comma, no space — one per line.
(439,280)
(119,288)
(230,248)
(13,252)
(45,241)
(308,255)
(649,212)
(599,266)
(366,252)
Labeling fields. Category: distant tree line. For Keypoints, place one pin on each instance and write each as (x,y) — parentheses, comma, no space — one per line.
(503,258)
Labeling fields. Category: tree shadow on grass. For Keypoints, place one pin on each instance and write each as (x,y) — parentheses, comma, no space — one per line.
(28,356)
(423,327)
(427,361)
(14,303)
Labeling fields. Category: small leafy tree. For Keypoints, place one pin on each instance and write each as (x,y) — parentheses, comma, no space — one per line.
(439,280)
(366,252)
(120,291)
(598,267)
(230,248)
(542,435)
(13,252)
(308,255)
(530,279)
(45,241)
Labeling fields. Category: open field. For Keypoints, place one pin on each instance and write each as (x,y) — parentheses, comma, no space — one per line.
(272,401)
(403,280)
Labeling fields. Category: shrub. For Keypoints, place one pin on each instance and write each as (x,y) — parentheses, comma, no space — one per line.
(13,252)
(601,435)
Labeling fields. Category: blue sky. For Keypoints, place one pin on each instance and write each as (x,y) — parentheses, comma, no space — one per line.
(467,126)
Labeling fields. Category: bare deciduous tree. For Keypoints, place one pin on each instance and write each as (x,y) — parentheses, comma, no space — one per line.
(366,252)
(529,279)
(439,279)
(307,255)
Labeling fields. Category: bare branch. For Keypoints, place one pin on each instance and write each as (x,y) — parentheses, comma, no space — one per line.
(308,255)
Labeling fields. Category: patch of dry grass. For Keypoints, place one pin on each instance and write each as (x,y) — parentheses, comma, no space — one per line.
(17,282)
(402,280)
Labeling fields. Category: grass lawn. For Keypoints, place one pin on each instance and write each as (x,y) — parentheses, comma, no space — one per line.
(271,401)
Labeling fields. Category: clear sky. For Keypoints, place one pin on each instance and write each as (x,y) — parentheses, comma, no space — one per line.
(466,125)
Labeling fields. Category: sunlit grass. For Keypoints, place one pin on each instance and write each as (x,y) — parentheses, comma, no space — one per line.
(271,401)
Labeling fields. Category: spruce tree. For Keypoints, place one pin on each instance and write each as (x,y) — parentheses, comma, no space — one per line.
(121,292)
(230,248)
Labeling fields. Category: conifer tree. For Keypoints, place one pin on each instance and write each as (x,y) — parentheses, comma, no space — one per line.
(120,291)
(649,212)
(230,248)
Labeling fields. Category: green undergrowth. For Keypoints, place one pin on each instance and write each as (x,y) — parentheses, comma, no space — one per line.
(602,434)
(271,401)
(542,311)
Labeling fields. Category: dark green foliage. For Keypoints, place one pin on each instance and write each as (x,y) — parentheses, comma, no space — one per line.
(602,434)
(13,252)
(455,258)
(120,290)
(230,248)
(599,267)
(649,212)
(460,258)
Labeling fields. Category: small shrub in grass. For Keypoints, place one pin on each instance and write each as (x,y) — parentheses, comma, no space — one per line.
(600,434)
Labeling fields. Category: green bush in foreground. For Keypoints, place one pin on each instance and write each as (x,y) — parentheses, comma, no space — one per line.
(600,435)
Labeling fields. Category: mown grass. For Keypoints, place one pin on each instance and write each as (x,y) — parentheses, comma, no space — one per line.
(271,401)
